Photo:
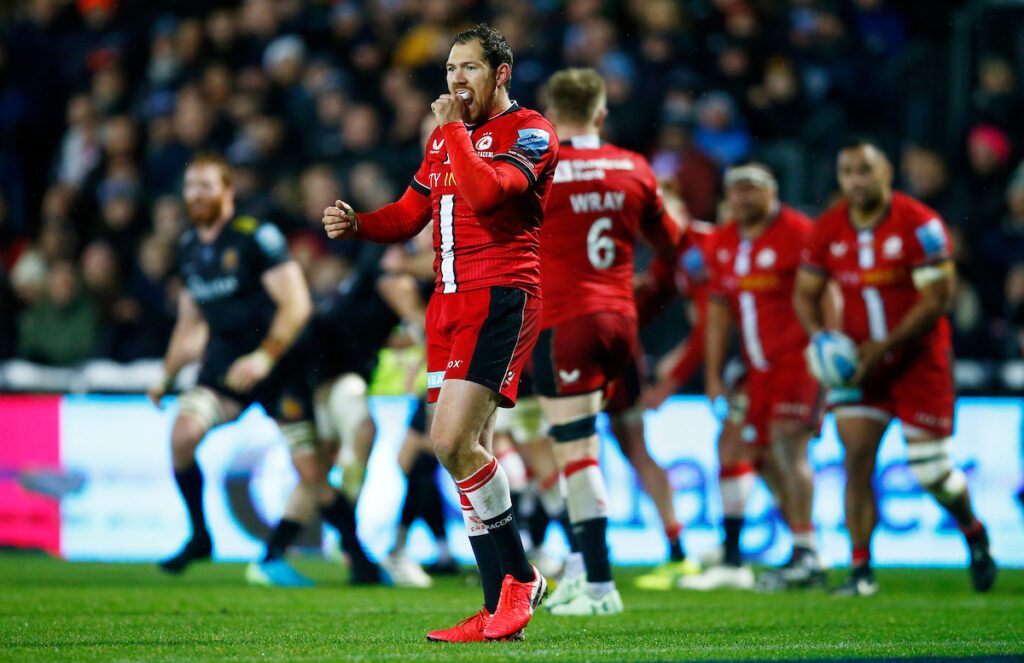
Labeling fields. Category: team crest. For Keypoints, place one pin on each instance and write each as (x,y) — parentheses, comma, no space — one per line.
(838,249)
(766,258)
(892,247)
(723,255)
(291,408)
(484,143)
(229,260)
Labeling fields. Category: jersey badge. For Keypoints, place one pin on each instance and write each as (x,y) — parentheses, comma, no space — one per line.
(532,143)
(932,238)
(892,247)
(766,258)
(229,260)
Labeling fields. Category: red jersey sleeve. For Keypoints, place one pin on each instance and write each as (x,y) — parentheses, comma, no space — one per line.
(929,242)
(533,150)
(814,255)
(399,221)
(482,185)
(658,227)
(716,271)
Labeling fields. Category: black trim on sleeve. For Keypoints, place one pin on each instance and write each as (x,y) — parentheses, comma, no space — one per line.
(814,268)
(420,187)
(531,176)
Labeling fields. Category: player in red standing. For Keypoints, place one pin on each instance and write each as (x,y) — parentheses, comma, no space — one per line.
(484,181)
(754,261)
(603,197)
(890,256)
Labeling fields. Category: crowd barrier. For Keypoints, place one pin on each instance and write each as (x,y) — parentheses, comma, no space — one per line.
(89,478)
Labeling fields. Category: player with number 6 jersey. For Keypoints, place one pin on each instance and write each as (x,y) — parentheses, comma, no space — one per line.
(602,198)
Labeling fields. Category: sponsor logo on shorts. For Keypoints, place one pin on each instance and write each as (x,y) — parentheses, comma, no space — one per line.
(568,377)
(509,377)
(435,379)
(455,363)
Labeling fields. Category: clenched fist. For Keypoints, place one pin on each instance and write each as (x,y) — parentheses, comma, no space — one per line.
(340,221)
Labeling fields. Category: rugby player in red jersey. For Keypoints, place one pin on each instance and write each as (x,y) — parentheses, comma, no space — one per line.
(602,198)
(484,182)
(891,257)
(754,260)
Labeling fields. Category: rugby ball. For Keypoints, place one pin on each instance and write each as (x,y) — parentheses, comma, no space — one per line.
(832,358)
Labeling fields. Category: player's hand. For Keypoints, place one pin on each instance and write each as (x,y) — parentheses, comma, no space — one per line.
(654,396)
(718,395)
(158,390)
(249,370)
(340,221)
(870,355)
(449,108)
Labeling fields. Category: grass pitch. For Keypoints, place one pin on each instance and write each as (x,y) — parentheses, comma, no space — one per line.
(53,610)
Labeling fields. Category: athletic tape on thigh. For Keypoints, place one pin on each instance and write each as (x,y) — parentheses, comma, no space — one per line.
(299,434)
(575,430)
(929,461)
(203,405)
(864,411)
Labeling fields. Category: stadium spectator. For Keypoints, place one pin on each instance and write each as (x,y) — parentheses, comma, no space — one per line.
(89,86)
(59,329)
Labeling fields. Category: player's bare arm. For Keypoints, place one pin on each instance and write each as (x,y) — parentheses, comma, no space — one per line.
(286,287)
(188,340)
(718,325)
(936,285)
(807,300)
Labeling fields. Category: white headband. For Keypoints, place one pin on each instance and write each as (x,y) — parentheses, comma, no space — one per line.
(753,174)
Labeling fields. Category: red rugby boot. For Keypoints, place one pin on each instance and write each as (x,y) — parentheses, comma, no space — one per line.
(515,607)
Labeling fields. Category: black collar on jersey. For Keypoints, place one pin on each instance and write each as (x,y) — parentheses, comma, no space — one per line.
(511,109)
(881,219)
(586,142)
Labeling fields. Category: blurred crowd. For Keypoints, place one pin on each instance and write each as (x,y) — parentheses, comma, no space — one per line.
(103,102)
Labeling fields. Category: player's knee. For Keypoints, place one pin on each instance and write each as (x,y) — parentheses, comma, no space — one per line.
(186,435)
(447,447)
(933,469)
(308,466)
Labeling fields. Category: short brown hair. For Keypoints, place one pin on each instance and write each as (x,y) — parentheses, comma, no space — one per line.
(496,50)
(576,94)
(227,175)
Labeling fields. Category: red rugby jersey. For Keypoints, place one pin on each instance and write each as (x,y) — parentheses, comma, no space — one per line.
(756,278)
(874,267)
(602,197)
(486,226)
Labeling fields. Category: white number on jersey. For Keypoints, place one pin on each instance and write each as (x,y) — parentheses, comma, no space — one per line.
(600,247)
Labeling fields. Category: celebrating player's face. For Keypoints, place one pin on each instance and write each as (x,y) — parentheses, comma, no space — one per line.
(469,73)
(204,194)
(864,176)
(749,203)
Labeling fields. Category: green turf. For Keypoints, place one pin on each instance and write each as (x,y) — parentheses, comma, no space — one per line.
(53,610)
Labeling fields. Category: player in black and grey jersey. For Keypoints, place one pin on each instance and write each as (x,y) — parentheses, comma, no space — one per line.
(244,313)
